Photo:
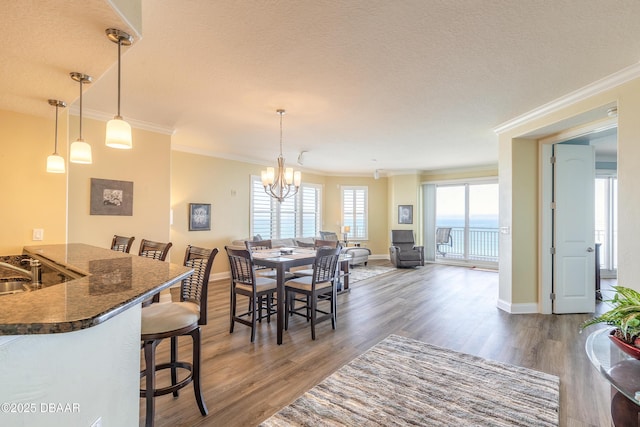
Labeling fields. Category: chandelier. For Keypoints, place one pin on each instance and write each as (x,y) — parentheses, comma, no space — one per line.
(285,183)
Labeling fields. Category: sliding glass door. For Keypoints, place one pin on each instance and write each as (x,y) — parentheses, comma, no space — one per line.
(471,212)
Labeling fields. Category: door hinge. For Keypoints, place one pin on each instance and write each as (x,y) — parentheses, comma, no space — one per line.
(552,251)
(552,296)
(552,160)
(553,205)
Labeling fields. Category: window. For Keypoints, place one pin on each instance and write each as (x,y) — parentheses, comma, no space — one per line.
(355,212)
(297,216)
(606,223)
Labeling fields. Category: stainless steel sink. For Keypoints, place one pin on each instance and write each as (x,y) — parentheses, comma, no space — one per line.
(13,287)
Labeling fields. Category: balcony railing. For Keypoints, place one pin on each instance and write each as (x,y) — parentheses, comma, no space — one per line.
(483,245)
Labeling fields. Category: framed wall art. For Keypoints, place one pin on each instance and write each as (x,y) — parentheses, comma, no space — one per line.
(199,216)
(109,197)
(405,214)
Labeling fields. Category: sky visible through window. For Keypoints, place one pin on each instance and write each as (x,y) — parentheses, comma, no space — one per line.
(483,205)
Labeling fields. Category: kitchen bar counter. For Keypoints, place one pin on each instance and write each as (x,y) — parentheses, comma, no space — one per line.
(113,282)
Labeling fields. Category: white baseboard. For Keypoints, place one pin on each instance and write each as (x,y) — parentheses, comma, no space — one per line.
(520,308)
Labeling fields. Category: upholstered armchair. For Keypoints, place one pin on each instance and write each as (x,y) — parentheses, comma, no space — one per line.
(403,252)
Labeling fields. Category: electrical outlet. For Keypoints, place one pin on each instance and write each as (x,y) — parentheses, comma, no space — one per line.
(38,234)
(97,423)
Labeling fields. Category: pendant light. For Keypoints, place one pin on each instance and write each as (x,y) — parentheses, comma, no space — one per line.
(118,131)
(55,162)
(285,182)
(80,151)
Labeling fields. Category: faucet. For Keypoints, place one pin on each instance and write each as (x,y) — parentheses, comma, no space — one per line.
(36,270)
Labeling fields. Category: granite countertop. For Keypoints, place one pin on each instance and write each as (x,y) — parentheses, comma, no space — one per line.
(114,282)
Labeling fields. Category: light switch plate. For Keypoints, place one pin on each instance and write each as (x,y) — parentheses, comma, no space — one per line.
(38,234)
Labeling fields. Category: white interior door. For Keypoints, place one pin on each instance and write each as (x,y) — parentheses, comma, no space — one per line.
(574,225)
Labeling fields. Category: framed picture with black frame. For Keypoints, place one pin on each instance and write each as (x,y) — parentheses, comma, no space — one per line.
(405,214)
(199,216)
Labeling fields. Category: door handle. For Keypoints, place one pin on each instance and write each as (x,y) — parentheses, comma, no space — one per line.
(589,249)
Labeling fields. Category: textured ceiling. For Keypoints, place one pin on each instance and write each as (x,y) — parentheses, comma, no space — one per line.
(367,84)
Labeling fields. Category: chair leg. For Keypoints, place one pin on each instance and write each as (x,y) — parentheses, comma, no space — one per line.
(150,379)
(233,309)
(314,303)
(287,302)
(174,359)
(195,334)
(254,310)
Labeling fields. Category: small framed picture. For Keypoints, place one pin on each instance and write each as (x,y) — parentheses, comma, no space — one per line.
(110,197)
(405,214)
(199,216)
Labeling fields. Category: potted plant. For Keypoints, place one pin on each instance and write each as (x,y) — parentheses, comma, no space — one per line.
(625,317)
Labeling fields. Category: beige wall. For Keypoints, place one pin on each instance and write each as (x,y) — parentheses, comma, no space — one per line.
(378,241)
(32,198)
(405,190)
(147,165)
(519,172)
(225,184)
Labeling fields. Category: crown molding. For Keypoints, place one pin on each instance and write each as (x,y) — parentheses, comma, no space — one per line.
(460,170)
(614,80)
(138,124)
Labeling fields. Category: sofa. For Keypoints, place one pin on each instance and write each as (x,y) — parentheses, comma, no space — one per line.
(359,255)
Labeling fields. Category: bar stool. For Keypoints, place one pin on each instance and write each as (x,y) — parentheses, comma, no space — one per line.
(172,320)
(154,250)
(122,243)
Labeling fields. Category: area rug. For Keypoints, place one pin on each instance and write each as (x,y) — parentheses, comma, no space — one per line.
(361,272)
(402,382)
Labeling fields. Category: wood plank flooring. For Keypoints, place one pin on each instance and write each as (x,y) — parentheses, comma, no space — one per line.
(453,307)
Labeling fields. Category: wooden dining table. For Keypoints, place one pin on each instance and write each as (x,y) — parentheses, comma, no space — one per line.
(274,258)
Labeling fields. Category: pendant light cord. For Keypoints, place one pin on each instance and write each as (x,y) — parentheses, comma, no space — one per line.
(55,148)
(119,46)
(80,81)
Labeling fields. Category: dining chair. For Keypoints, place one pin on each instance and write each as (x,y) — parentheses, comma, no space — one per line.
(244,281)
(122,243)
(173,320)
(320,286)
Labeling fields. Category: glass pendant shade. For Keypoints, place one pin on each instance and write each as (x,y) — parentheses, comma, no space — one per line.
(55,164)
(118,134)
(80,152)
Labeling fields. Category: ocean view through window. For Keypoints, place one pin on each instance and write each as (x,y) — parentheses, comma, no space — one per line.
(471,211)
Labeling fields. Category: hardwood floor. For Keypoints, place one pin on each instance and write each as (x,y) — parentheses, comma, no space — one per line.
(453,307)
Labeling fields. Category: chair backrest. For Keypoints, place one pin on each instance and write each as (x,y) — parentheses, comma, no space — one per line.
(241,264)
(122,243)
(325,243)
(402,236)
(325,265)
(195,287)
(443,235)
(402,239)
(257,244)
(155,250)
(328,235)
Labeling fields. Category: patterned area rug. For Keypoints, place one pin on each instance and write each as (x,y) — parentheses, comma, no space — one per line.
(361,272)
(402,382)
